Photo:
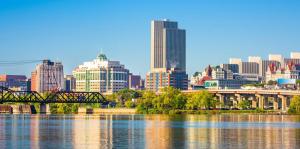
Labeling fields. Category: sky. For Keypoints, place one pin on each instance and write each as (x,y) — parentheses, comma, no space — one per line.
(74,31)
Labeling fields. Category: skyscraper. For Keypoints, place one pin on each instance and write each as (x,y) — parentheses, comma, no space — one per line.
(168,56)
(167,46)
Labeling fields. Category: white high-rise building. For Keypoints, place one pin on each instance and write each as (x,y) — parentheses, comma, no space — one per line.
(101,75)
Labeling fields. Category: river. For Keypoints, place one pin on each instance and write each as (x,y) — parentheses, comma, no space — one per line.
(149,131)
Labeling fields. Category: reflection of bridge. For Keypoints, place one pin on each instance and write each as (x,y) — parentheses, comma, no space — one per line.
(7,95)
(276,99)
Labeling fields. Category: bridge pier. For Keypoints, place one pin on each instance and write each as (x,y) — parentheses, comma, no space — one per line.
(283,102)
(221,99)
(16,109)
(44,108)
(275,103)
(254,102)
(260,99)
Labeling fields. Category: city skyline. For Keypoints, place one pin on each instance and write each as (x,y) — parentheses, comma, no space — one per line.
(39,30)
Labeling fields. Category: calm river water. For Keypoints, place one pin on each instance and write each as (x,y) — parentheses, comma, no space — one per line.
(149,131)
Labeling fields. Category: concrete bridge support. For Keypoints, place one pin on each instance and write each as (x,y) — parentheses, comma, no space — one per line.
(16,109)
(238,99)
(275,103)
(283,102)
(221,99)
(260,100)
(44,108)
(254,102)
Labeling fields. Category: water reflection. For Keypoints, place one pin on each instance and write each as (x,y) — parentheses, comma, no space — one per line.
(149,131)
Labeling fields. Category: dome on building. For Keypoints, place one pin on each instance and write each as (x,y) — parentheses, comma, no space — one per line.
(102,57)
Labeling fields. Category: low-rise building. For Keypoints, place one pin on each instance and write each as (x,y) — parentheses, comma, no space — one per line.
(135,82)
(290,71)
(227,84)
(157,80)
(219,73)
(14,82)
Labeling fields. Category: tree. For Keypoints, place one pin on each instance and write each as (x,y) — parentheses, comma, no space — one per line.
(295,105)
(201,99)
(129,104)
(126,94)
(298,83)
(271,82)
(244,104)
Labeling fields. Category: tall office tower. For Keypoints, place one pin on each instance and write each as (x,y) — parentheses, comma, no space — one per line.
(168,56)
(47,76)
(167,46)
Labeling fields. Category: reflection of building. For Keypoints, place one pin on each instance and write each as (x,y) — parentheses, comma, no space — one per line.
(87,133)
(70,83)
(168,56)
(47,76)
(14,82)
(101,75)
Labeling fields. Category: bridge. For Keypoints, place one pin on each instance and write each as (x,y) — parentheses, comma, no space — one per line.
(259,98)
(11,96)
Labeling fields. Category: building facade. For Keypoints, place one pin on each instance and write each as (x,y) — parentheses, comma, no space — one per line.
(289,72)
(158,80)
(227,84)
(48,76)
(135,82)
(167,46)
(101,75)
(168,56)
(14,82)
(234,68)
(219,73)
(70,83)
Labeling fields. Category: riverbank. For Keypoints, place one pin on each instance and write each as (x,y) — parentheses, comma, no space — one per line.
(29,109)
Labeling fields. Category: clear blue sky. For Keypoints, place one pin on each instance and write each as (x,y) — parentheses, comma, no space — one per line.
(74,31)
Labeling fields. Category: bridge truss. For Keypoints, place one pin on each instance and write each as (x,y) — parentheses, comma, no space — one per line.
(7,95)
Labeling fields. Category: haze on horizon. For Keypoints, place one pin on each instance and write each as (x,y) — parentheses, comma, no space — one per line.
(76,31)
